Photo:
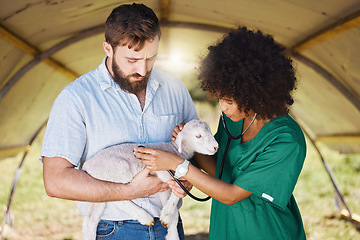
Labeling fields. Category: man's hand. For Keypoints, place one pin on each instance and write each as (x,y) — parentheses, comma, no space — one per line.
(144,184)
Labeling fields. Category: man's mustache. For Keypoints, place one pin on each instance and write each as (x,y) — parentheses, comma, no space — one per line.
(137,75)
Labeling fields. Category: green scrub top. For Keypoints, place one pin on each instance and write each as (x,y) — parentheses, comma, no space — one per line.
(267,166)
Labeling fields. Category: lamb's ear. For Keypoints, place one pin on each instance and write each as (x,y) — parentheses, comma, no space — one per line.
(179,141)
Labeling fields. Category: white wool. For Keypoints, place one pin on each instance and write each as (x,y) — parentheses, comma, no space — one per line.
(119,164)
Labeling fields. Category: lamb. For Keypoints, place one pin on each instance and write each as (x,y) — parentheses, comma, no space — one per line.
(121,166)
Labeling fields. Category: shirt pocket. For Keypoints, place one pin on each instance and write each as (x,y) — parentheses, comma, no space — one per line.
(160,127)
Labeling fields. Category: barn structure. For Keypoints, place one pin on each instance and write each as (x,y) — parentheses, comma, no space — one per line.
(46,44)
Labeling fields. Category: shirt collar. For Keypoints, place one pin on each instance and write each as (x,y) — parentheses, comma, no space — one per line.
(106,81)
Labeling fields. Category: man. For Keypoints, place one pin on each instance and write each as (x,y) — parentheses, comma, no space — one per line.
(124,100)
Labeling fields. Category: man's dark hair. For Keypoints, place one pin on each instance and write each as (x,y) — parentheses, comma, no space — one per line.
(251,68)
(132,25)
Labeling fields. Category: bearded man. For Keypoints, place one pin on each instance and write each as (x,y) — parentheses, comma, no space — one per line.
(124,100)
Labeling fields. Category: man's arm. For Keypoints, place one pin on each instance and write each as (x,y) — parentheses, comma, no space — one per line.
(63,180)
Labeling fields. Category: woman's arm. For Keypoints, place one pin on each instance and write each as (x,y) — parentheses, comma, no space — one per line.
(215,188)
(157,160)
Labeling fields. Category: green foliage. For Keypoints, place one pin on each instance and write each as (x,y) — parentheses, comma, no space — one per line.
(315,194)
(36,216)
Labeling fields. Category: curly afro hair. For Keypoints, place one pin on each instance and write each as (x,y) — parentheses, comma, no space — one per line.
(252,69)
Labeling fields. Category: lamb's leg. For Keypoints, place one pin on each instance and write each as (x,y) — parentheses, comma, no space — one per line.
(169,210)
(91,220)
(172,230)
(136,212)
(164,196)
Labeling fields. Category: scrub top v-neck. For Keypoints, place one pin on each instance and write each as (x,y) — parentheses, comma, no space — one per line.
(267,166)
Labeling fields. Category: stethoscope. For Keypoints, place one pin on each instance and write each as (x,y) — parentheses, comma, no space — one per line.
(230,137)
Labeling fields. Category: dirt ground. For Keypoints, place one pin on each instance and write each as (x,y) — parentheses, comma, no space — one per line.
(199,236)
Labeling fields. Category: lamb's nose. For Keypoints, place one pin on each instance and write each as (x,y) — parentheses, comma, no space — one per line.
(216,148)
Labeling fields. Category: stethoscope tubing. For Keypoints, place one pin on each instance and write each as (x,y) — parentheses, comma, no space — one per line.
(230,137)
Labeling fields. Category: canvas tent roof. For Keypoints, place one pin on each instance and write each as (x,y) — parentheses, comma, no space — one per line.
(46,44)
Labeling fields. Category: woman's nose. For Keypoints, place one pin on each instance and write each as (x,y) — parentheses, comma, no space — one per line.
(221,106)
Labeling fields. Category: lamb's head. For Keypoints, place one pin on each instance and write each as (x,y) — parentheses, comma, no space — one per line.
(196,137)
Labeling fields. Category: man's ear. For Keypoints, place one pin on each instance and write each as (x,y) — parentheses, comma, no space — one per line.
(108,49)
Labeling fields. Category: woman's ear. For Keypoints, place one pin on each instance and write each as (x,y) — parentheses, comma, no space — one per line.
(108,49)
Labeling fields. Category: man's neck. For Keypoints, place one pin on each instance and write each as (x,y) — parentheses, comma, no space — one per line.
(141,97)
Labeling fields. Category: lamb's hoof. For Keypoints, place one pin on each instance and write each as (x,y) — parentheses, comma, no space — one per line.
(153,222)
(165,220)
(164,224)
(148,221)
(172,236)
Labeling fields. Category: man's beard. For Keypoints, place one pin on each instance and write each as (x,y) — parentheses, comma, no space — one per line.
(124,81)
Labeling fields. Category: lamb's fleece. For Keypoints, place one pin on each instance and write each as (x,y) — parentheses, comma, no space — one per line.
(118,164)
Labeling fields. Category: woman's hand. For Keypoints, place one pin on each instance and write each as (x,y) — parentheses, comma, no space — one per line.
(177,190)
(176,131)
(158,160)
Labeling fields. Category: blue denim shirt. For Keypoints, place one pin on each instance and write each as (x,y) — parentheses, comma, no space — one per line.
(93,113)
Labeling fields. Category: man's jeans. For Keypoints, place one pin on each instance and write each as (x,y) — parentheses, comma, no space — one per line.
(133,230)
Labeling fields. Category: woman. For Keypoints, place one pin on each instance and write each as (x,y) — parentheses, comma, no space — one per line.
(253,80)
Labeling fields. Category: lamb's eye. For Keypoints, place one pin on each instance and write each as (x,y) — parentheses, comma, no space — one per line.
(198,136)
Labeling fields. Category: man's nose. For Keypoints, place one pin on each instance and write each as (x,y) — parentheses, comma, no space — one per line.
(141,68)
